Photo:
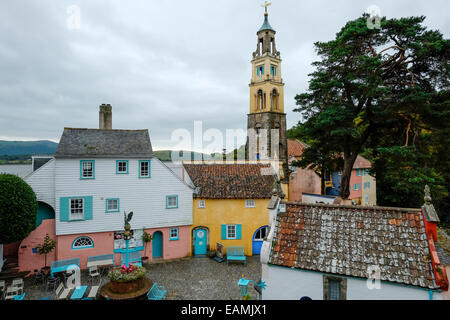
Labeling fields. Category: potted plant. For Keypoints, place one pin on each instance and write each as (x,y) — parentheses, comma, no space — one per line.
(45,248)
(212,253)
(126,279)
(146,238)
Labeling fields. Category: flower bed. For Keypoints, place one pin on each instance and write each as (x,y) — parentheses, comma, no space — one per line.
(127,279)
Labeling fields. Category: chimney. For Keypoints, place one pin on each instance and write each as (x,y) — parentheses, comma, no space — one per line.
(105,117)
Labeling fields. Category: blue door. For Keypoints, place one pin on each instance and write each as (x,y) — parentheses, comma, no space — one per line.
(200,241)
(258,239)
(157,244)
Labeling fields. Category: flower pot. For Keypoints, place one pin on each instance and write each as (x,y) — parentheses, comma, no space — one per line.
(127,286)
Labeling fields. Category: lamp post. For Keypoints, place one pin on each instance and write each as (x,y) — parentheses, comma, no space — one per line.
(243,285)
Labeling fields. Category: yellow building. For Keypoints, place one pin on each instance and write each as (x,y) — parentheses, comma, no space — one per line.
(230,205)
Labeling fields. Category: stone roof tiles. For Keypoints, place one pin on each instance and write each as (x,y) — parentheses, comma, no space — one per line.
(75,143)
(346,240)
(232,181)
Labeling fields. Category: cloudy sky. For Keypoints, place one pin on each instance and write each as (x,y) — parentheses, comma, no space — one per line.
(161,64)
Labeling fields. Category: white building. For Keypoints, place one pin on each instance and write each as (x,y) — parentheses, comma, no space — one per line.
(323,251)
(97,175)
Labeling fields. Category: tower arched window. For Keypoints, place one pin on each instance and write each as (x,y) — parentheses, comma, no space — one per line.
(274,99)
(260,100)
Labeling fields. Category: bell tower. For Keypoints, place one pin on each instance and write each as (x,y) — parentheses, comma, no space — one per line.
(266,122)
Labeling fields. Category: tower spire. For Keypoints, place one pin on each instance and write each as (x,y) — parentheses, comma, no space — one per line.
(265,6)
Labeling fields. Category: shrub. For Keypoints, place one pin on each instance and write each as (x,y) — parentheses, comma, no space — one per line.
(18,209)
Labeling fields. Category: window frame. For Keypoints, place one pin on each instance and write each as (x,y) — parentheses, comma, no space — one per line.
(81,215)
(342,287)
(177,237)
(250,206)
(201,206)
(149,169)
(84,247)
(228,226)
(113,210)
(82,177)
(118,166)
(167,201)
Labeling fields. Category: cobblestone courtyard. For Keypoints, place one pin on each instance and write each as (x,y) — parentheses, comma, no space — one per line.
(184,279)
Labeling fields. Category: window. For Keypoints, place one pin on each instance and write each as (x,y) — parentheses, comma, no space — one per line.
(357,186)
(112,205)
(262,233)
(273,70)
(171,202)
(174,234)
(76,209)
(231,231)
(334,288)
(366,185)
(87,169)
(249,203)
(201,203)
(366,199)
(122,166)
(82,243)
(144,168)
(260,71)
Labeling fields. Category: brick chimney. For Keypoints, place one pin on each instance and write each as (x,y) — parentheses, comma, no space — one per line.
(105,117)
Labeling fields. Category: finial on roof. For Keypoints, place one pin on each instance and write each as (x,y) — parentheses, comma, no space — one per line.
(427,197)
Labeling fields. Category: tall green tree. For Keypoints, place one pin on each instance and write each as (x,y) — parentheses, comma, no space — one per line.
(370,80)
(18,209)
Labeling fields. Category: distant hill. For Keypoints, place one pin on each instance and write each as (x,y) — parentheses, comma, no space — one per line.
(12,148)
(21,151)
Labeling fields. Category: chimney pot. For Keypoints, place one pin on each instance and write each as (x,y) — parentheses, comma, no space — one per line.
(105,117)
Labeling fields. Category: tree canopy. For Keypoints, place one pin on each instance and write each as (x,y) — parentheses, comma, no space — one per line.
(18,209)
(378,90)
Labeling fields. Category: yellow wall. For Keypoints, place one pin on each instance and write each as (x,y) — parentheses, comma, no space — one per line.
(231,211)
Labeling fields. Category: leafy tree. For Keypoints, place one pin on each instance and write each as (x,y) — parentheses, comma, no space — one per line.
(18,208)
(370,81)
(46,247)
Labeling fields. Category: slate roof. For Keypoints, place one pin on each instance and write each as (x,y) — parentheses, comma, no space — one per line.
(346,240)
(75,143)
(232,181)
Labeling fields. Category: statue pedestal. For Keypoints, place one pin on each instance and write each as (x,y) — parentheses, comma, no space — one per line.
(131,290)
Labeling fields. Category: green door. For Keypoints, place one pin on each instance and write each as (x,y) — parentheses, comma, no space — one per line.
(157,244)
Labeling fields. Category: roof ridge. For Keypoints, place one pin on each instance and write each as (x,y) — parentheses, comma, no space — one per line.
(349,206)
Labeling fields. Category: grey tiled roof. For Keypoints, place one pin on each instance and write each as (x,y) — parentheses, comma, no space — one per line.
(75,143)
(346,240)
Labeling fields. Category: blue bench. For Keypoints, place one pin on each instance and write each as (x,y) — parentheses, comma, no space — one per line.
(156,292)
(235,253)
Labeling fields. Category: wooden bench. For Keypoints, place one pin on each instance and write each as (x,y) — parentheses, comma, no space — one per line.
(156,292)
(235,253)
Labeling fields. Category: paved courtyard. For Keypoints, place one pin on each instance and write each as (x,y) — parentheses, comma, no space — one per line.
(184,279)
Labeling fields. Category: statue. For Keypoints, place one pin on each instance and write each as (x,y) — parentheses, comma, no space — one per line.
(127,226)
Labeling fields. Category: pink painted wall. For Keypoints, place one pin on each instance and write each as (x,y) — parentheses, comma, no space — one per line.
(354,179)
(103,244)
(303,181)
(28,261)
(172,249)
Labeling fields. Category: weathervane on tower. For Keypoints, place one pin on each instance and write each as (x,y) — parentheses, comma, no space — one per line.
(265,5)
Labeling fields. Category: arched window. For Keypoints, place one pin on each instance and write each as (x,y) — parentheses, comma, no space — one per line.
(274,100)
(82,242)
(260,100)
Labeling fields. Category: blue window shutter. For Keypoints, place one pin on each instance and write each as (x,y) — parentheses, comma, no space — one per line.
(262,69)
(87,208)
(238,232)
(64,209)
(224,232)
